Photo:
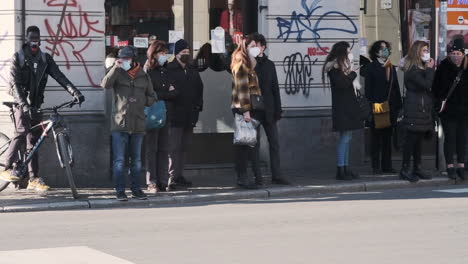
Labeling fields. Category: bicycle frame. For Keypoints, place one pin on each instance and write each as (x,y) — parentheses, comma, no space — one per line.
(54,123)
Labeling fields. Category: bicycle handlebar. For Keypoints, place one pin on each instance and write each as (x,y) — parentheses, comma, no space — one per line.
(55,108)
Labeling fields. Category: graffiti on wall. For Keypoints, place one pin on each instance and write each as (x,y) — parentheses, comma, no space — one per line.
(298,69)
(74,27)
(308,25)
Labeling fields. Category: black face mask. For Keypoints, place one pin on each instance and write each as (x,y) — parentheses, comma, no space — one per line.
(185,58)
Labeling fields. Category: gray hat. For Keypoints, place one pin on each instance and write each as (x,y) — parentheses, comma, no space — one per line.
(128,52)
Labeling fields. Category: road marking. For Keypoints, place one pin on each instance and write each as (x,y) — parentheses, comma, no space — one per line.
(464,190)
(69,255)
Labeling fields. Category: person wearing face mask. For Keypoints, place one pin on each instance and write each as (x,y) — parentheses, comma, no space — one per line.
(338,68)
(268,81)
(182,111)
(156,145)
(418,120)
(244,86)
(29,73)
(133,90)
(381,85)
(454,115)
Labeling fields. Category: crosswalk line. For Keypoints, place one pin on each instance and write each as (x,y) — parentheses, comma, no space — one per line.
(69,255)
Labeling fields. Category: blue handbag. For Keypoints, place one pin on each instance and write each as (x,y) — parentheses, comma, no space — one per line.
(155,115)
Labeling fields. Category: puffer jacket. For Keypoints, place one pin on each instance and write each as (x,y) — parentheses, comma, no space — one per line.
(27,82)
(418,107)
(130,98)
(457,105)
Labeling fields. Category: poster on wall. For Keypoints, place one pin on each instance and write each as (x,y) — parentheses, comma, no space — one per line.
(457,21)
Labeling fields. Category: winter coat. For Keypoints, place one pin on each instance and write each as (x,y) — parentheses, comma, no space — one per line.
(130,98)
(268,81)
(244,85)
(183,110)
(418,106)
(161,84)
(345,106)
(378,87)
(457,104)
(27,85)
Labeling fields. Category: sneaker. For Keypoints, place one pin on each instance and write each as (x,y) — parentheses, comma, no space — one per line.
(139,194)
(9,176)
(38,184)
(121,196)
(152,188)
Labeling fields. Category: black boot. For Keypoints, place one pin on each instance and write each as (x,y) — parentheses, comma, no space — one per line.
(341,174)
(352,174)
(406,175)
(420,173)
(452,173)
(243,182)
(171,184)
(461,173)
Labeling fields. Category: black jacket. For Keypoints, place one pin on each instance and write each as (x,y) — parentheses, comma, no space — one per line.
(457,104)
(377,88)
(268,81)
(418,106)
(345,107)
(160,79)
(184,108)
(26,85)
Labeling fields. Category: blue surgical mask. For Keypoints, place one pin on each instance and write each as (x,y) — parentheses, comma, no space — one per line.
(162,59)
(126,65)
(384,53)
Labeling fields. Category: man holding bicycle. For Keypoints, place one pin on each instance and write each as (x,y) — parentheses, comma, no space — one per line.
(28,78)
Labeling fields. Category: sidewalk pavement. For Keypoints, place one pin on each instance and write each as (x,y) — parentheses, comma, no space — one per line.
(206,190)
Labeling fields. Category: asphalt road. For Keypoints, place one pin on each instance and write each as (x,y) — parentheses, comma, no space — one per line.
(412,226)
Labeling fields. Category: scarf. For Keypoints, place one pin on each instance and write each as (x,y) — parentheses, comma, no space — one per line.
(133,72)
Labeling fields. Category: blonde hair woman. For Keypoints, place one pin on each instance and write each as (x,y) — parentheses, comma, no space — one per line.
(245,84)
(418,108)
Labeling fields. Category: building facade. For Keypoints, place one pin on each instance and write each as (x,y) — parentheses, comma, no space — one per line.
(300,34)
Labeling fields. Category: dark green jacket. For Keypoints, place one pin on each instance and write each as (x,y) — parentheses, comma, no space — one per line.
(130,99)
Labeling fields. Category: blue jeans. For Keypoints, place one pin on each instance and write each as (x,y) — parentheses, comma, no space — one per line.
(342,148)
(122,143)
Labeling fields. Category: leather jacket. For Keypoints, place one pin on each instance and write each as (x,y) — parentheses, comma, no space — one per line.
(29,74)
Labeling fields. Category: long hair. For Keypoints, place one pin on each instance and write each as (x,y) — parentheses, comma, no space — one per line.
(338,53)
(414,58)
(154,48)
(241,57)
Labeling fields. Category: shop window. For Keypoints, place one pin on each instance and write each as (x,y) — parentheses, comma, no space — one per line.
(218,26)
(147,19)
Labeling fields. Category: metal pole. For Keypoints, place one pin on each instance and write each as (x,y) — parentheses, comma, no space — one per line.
(440,160)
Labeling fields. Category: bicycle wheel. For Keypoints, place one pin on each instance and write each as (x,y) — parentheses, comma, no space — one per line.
(4,143)
(65,156)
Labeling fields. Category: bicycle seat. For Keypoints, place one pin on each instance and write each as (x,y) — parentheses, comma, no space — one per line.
(10,104)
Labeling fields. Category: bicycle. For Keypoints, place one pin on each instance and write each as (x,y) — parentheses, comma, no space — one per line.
(54,123)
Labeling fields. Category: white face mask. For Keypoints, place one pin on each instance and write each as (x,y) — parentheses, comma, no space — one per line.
(351,58)
(426,57)
(254,52)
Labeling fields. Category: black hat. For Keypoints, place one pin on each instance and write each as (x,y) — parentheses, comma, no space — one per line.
(128,52)
(458,45)
(180,45)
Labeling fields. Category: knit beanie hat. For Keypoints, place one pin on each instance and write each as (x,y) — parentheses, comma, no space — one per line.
(180,45)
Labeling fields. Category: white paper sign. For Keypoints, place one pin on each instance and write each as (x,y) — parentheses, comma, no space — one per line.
(385,4)
(175,35)
(140,43)
(218,42)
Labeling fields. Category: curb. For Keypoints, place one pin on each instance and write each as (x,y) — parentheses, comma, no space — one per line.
(231,196)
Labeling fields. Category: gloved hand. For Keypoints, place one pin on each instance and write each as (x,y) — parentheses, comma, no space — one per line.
(79,98)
